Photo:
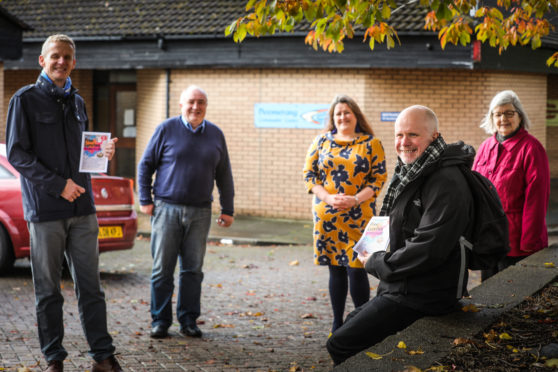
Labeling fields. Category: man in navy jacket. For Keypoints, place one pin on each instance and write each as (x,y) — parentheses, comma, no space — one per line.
(44,129)
(188,154)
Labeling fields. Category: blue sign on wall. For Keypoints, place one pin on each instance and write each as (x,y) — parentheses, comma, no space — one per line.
(389,116)
(290,115)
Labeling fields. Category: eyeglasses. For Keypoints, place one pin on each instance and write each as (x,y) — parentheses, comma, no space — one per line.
(508,114)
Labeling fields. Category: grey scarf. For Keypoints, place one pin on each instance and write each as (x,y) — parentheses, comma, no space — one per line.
(405,173)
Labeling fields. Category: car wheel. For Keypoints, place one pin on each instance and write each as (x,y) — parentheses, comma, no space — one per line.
(6,252)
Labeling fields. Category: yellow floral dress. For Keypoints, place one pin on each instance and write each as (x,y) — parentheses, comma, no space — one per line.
(343,167)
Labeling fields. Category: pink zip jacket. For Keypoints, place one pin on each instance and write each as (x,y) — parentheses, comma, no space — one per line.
(522,178)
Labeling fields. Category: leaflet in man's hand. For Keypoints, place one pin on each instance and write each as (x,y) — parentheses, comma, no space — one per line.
(92,159)
(375,237)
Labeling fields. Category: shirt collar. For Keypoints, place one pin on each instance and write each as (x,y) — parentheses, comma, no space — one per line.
(199,128)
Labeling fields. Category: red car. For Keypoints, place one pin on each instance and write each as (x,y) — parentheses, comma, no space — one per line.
(114,201)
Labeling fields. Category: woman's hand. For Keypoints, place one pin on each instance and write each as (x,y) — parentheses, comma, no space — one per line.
(341,201)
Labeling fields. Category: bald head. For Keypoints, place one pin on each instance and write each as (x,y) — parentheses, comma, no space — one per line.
(415,129)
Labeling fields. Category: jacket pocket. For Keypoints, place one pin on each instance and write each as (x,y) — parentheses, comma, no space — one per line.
(45,118)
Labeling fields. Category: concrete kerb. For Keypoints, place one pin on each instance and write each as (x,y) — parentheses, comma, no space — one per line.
(434,335)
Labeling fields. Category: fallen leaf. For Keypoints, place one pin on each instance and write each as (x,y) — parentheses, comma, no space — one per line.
(505,336)
(401,345)
(415,352)
(412,369)
(471,308)
(373,355)
(293,263)
(549,264)
(308,316)
(551,362)
(223,326)
(23,369)
(461,341)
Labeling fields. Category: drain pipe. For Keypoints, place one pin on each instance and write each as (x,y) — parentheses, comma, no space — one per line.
(168,72)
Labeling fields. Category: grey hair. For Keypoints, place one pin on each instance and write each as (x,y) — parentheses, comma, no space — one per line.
(190,89)
(58,38)
(428,112)
(503,98)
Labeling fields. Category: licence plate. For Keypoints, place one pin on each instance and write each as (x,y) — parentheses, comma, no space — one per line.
(108,232)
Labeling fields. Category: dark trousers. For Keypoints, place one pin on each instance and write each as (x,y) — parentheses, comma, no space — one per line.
(502,264)
(368,325)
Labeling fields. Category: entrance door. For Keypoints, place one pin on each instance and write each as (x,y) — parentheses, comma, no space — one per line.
(123,126)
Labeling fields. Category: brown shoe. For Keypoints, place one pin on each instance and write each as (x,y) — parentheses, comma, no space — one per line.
(108,365)
(55,366)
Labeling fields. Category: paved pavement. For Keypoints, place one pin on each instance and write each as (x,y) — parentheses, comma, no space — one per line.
(265,306)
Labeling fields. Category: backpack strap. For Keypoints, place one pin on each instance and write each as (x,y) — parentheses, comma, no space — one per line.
(463,243)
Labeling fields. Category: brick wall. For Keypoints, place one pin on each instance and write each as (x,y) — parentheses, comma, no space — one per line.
(267,163)
(15,79)
(552,132)
(151,106)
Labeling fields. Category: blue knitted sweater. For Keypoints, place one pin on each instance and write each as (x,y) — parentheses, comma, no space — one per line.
(186,166)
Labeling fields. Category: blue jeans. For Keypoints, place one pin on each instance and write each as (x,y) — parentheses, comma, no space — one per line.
(178,231)
(76,238)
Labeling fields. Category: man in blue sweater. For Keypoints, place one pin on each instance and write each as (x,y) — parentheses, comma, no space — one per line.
(188,154)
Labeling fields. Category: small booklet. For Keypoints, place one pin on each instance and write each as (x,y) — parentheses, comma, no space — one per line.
(92,159)
(375,237)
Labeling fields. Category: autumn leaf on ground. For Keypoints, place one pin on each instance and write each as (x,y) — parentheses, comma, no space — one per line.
(461,341)
(412,369)
(23,369)
(551,363)
(415,352)
(223,326)
(376,356)
(505,336)
(471,308)
(308,316)
(549,264)
(401,345)
(490,336)
(293,263)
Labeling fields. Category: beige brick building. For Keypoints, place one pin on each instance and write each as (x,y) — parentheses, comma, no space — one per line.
(159,62)
(267,162)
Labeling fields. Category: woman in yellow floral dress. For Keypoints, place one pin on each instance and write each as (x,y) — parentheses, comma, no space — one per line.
(345,169)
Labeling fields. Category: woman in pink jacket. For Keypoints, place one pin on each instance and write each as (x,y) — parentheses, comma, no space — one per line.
(517,165)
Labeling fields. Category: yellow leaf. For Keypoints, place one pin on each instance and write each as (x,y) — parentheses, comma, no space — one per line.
(471,308)
(415,352)
(293,263)
(549,264)
(551,362)
(412,369)
(373,355)
(401,345)
(505,336)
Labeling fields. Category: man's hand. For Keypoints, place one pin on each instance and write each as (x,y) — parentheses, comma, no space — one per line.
(363,257)
(225,220)
(72,190)
(147,209)
(109,148)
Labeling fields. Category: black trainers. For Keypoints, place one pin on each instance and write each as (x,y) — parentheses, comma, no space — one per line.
(191,331)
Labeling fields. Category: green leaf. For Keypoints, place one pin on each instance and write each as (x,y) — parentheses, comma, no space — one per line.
(231,28)
(371,43)
(386,12)
(250,4)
